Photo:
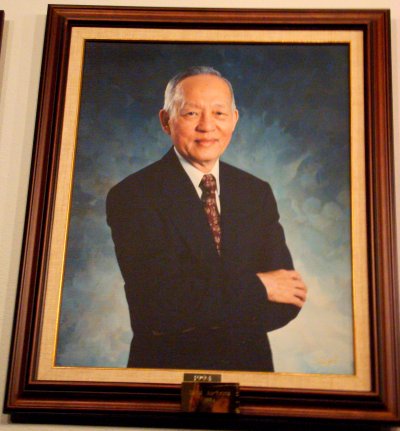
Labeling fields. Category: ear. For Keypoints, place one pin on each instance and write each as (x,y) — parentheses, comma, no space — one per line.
(236,117)
(164,120)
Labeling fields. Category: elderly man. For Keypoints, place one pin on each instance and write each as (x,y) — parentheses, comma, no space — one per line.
(206,268)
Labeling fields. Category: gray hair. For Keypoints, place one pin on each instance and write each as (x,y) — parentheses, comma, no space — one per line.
(171,95)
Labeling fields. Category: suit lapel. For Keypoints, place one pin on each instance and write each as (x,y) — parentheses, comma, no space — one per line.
(185,209)
(233,216)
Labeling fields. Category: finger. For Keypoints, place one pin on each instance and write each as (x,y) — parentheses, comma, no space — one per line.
(301,295)
(291,273)
(296,275)
(300,286)
(300,304)
(297,301)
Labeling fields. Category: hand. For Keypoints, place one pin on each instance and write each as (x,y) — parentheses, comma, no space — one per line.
(284,286)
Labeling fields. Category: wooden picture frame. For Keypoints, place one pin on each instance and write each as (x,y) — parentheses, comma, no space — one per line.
(37,384)
(1,25)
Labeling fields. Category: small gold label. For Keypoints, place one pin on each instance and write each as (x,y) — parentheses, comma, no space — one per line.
(205,378)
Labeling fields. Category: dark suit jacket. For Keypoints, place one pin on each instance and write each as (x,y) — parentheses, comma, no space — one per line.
(189,307)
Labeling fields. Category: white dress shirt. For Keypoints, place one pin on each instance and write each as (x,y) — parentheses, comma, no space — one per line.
(196,176)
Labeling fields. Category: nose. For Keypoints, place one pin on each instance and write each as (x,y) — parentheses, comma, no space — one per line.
(206,122)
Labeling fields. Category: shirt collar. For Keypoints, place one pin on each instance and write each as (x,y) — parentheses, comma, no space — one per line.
(195,174)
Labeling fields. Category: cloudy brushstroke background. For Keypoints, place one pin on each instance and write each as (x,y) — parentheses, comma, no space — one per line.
(293,132)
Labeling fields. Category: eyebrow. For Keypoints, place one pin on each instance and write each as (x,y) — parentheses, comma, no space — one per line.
(196,105)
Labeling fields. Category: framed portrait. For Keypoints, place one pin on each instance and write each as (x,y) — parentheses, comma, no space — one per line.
(313,94)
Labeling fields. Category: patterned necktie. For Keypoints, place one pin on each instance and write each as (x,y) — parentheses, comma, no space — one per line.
(209,187)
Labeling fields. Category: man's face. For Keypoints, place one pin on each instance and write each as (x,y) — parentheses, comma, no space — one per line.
(203,121)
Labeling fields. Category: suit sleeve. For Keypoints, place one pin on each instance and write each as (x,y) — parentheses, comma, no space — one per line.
(276,256)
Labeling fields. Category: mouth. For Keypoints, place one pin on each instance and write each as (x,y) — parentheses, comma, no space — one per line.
(206,142)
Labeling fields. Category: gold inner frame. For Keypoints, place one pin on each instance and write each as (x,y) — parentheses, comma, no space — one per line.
(361,379)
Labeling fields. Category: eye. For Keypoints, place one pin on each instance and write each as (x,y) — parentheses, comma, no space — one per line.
(190,114)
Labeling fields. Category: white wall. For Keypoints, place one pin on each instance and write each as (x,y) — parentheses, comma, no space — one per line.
(19,80)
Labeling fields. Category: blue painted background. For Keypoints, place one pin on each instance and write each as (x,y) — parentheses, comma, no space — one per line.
(293,132)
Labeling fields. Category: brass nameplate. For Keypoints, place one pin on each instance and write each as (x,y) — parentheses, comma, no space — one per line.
(199,397)
(206,378)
